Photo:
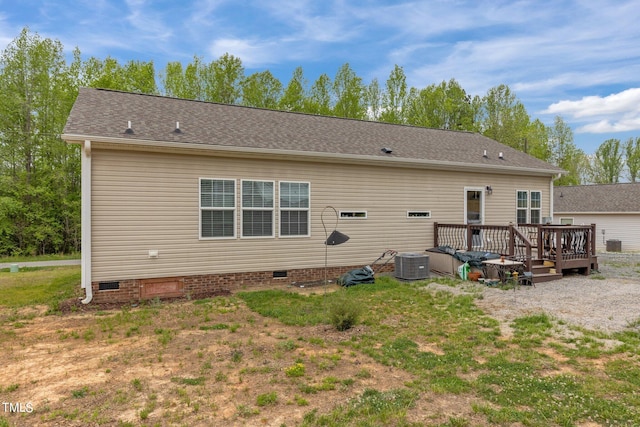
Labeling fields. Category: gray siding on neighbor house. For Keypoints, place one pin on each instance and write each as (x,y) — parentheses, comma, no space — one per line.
(146,200)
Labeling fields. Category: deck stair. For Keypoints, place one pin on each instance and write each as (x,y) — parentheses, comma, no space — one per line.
(541,270)
(546,250)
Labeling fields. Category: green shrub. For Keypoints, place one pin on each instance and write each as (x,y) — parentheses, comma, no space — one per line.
(344,312)
(267,399)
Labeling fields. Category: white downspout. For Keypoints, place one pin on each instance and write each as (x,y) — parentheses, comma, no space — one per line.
(86,221)
(551,207)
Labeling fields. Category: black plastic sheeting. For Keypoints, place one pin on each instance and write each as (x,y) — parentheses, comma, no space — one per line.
(474,258)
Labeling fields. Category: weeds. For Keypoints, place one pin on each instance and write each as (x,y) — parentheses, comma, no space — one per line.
(418,342)
(267,399)
(344,311)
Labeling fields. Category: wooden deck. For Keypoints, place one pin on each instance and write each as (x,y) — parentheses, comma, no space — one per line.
(542,248)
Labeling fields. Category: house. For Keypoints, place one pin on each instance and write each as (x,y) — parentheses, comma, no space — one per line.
(183,197)
(614,208)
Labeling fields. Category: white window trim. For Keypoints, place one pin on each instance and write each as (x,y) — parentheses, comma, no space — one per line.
(528,209)
(280,209)
(531,208)
(349,214)
(243,209)
(565,218)
(482,202)
(525,209)
(234,209)
(416,214)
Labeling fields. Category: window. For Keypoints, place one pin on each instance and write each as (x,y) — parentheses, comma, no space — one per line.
(294,209)
(566,221)
(257,208)
(536,207)
(522,207)
(419,214)
(353,214)
(528,207)
(217,208)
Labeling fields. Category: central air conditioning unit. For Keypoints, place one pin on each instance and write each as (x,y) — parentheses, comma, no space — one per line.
(412,266)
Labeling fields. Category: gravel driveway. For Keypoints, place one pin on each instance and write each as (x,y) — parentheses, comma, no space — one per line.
(607,301)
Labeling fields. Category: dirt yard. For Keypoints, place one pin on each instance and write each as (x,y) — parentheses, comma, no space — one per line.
(208,363)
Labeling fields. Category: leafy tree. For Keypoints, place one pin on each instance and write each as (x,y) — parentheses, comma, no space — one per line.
(632,160)
(373,99)
(349,90)
(443,106)
(39,172)
(536,142)
(394,97)
(261,90)
(505,118)
(134,76)
(222,79)
(184,82)
(565,154)
(319,100)
(293,98)
(607,163)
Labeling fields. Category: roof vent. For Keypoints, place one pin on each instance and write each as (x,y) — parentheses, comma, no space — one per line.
(484,154)
(501,156)
(177,129)
(128,130)
(386,150)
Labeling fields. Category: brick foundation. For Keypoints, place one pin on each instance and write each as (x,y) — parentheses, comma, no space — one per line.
(197,286)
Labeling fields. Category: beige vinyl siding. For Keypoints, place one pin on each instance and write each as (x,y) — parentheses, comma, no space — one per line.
(617,226)
(146,201)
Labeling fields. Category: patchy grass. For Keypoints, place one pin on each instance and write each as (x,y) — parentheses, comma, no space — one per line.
(39,286)
(414,357)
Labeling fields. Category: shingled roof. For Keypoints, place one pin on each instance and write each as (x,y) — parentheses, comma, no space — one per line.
(103,115)
(611,198)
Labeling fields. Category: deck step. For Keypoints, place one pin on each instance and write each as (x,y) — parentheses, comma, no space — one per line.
(545,277)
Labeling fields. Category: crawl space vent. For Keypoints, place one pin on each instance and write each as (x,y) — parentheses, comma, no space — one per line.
(108,286)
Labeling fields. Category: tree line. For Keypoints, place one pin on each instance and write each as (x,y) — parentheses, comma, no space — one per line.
(40,173)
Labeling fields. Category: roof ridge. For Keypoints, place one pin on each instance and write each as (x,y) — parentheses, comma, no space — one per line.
(302,113)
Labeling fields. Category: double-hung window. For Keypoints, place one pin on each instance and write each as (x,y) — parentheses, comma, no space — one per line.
(257,208)
(528,207)
(536,207)
(294,209)
(522,206)
(217,208)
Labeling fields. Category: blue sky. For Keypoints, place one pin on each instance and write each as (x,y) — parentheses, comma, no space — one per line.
(576,59)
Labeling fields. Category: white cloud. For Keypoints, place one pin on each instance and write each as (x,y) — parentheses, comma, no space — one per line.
(147,22)
(618,112)
(589,106)
(253,53)
(607,126)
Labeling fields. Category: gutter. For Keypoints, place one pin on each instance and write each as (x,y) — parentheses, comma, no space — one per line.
(86,220)
(262,153)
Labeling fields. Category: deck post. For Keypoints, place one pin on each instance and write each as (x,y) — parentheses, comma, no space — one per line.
(469,238)
(435,235)
(512,240)
(559,254)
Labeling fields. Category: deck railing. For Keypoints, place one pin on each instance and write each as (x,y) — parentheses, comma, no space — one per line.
(567,246)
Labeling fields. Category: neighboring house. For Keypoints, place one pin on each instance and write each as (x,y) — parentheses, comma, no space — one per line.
(614,208)
(188,197)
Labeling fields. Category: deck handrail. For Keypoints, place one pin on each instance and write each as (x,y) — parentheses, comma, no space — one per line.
(569,246)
